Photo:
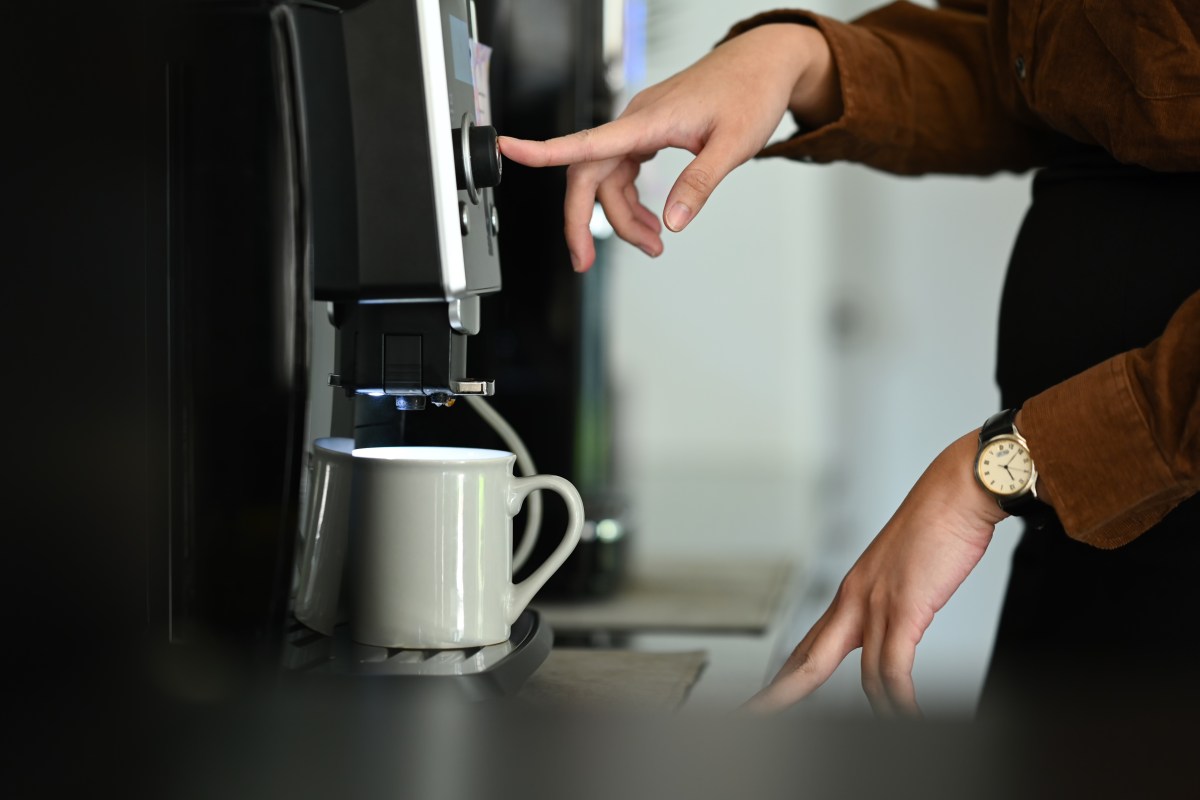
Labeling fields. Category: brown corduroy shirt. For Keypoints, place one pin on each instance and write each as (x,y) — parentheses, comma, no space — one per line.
(979,87)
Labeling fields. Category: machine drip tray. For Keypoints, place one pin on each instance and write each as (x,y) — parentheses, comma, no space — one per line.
(480,673)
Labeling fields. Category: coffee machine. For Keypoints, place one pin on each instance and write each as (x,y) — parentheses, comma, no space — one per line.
(196,174)
(293,159)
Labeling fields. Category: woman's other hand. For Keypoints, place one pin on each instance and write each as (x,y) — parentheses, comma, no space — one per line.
(889,597)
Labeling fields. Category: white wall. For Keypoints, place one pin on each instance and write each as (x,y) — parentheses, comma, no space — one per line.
(747,424)
(720,344)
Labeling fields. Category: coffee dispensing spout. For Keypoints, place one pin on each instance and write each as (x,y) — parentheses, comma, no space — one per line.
(413,353)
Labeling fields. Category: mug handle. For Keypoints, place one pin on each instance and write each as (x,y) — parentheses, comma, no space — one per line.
(522,593)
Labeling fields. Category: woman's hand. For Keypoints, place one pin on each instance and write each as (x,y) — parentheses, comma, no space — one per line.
(890,595)
(722,109)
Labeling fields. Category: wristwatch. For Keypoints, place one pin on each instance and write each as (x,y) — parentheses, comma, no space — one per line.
(1005,469)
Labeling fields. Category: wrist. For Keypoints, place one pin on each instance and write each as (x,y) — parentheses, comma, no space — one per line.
(815,98)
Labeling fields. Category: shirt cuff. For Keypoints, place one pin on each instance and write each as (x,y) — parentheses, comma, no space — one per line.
(1098,463)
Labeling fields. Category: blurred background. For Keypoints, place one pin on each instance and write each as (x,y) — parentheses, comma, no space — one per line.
(795,359)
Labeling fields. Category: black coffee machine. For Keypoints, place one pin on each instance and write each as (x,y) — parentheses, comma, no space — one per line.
(156,318)
(176,215)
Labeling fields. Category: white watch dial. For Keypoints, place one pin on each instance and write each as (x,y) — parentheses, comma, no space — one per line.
(1004,466)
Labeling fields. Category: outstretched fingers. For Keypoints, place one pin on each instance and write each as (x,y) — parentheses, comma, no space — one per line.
(629,218)
(834,637)
(583,183)
(643,214)
(889,651)
(611,140)
(612,183)
(870,665)
(896,660)
(603,164)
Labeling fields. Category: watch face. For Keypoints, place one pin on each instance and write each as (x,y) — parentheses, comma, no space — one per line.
(1004,466)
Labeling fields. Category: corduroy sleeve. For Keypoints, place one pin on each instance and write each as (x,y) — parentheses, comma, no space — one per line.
(918,93)
(981,88)
(1118,446)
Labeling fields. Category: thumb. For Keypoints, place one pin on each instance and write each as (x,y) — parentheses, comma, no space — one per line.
(696,183)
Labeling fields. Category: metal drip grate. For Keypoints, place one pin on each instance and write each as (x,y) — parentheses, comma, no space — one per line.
(493,670)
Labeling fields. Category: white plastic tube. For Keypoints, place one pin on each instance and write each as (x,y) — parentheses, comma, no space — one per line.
(533,506)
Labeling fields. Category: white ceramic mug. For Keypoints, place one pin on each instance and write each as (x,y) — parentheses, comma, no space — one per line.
(431,556)
(322,552)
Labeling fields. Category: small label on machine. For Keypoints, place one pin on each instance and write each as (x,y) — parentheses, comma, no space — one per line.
(481,61)
(472,66)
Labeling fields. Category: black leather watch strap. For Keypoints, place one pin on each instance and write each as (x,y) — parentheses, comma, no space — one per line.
(999,423)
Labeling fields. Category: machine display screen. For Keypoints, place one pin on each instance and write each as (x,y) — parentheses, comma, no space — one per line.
(460,48)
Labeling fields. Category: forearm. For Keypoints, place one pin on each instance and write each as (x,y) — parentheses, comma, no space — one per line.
(817,97)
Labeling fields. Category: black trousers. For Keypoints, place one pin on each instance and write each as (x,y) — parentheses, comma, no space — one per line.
(1106,254)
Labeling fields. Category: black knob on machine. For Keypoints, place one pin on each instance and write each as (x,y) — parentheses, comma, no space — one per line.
(485,156)
(477,162)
